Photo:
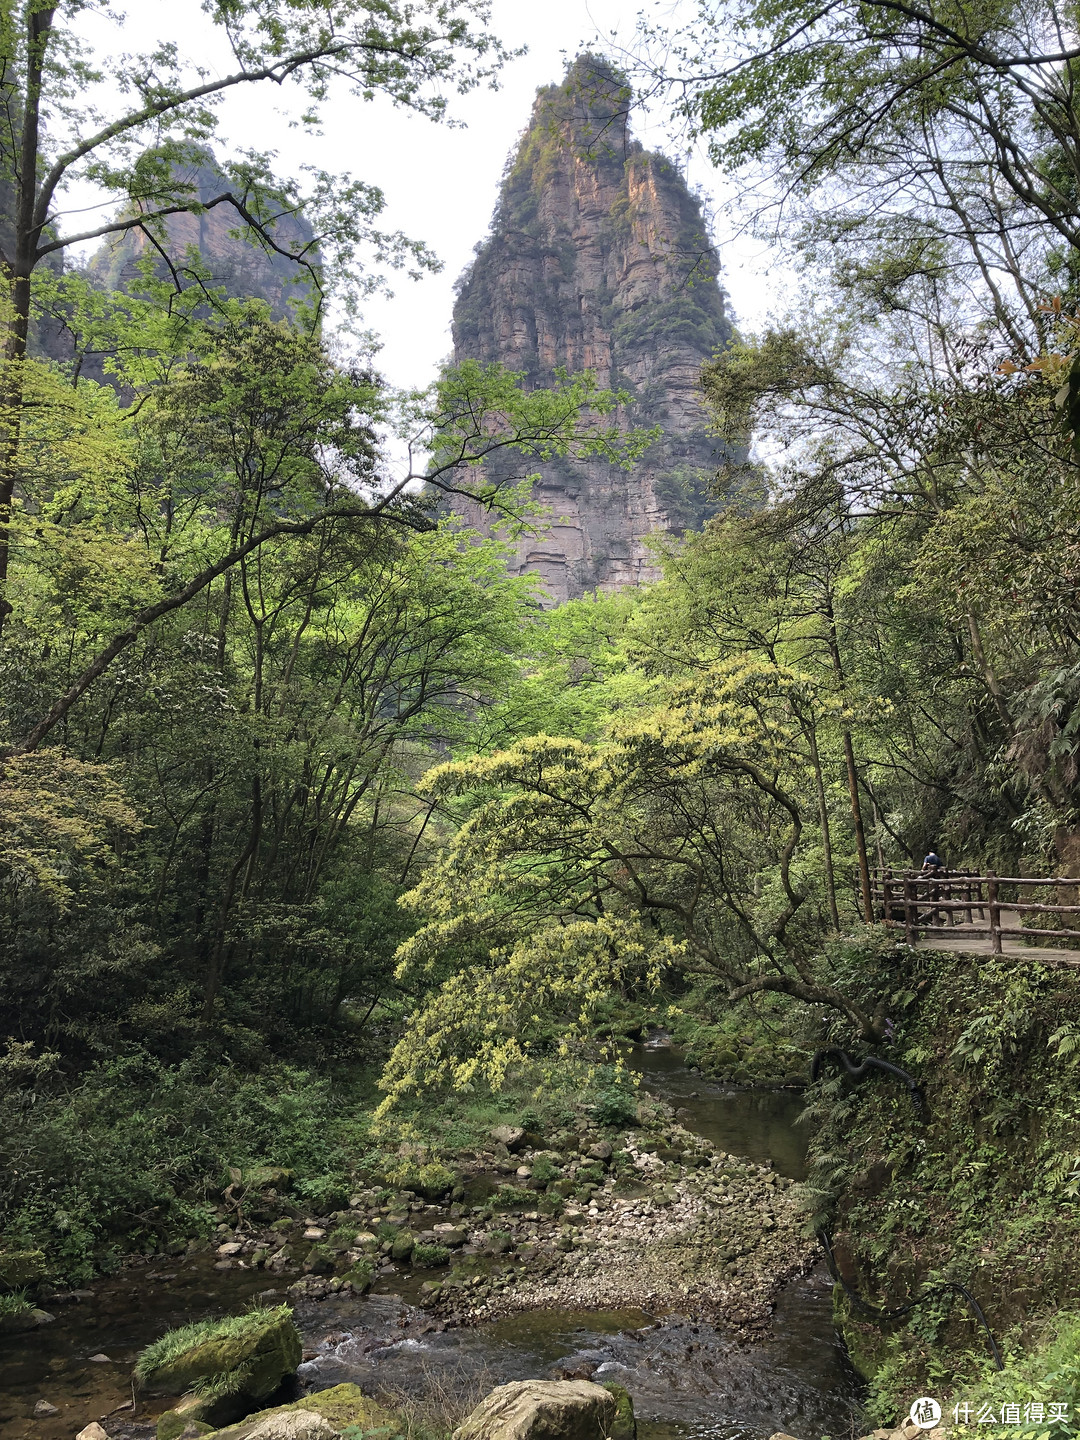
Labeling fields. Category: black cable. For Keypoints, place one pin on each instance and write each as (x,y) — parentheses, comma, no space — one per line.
(860,1070)
(880,1314)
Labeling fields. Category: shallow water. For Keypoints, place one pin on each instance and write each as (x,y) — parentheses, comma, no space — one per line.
(687,1379)
(757,1123)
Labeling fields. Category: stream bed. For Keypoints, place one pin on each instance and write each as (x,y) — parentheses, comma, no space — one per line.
(687,1379)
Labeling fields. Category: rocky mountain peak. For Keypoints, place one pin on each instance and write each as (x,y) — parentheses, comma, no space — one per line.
(599,259)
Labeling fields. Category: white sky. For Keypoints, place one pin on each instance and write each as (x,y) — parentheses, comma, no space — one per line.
(441,183)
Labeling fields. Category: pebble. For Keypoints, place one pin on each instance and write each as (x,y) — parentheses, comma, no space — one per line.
(100,1359)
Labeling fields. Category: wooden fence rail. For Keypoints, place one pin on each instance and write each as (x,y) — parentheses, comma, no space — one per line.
(934,904)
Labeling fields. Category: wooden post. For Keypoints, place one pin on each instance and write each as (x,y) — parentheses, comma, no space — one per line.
(995,913)
(886,896)
(967,896)
(911,934)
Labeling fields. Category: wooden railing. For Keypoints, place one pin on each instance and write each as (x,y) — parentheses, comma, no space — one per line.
(960,900)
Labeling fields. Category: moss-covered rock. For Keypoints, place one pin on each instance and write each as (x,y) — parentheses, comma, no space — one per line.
(21,1267)
(342,1406)
(402,1246)
(319,1260)
(191,1410)
(360,1277)
(249,1354)
(624,1425)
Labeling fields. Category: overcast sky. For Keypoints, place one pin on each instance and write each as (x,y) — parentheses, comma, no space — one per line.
(441,183)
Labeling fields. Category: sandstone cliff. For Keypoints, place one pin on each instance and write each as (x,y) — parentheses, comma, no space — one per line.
(598,259)
(244,268)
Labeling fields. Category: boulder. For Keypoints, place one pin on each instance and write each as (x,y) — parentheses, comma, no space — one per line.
(600,1151)
(402,1246)
(293,1425)
(21,1267)
(25,1318)
(543,1410)
(340,1407)
(512,1136)
(319,1260)
(360,1277)
(43,1410)
(189,1417)
(93,1431)
(264,1345)
(450,1235)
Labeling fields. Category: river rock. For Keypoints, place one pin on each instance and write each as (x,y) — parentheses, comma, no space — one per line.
(341,1407)
(264,1346)
(512,1136)
(293,1425)
(27,1319)
(600,1151)
(449,1235)
(21,1267)
(44,1411)
(403,1245)
(93,1431)
(319,1261)
(542,1410)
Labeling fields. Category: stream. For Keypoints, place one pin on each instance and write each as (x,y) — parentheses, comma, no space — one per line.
(686,1378)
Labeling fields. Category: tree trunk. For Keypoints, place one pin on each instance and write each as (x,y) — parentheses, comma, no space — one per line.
(826,833)
(19,268)
(849,763)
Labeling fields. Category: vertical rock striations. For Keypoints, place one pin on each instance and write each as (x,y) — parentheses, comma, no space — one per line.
(242,267)
(598,259)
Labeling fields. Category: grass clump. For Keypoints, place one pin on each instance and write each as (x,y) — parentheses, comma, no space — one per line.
(212,1388)
(430,1257)
(175,1343)
(14,1303)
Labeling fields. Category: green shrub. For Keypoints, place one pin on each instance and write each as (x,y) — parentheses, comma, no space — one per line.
(544,1169)
(615,1108)
(139,1138)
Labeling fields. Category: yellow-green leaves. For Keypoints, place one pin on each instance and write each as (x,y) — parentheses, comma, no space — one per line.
(58,815)
(585,865)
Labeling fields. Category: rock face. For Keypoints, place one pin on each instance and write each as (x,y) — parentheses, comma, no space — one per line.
(598,258)
(542,1410)
(243,268)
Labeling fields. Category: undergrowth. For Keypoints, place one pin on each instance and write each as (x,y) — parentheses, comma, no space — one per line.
(985,1193)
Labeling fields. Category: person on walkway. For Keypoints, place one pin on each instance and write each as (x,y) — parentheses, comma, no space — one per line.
(932,867)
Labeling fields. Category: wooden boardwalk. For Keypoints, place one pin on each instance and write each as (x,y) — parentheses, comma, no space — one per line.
(1010,949)
(963,913)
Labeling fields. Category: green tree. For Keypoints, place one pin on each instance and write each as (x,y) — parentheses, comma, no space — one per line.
(140,154)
